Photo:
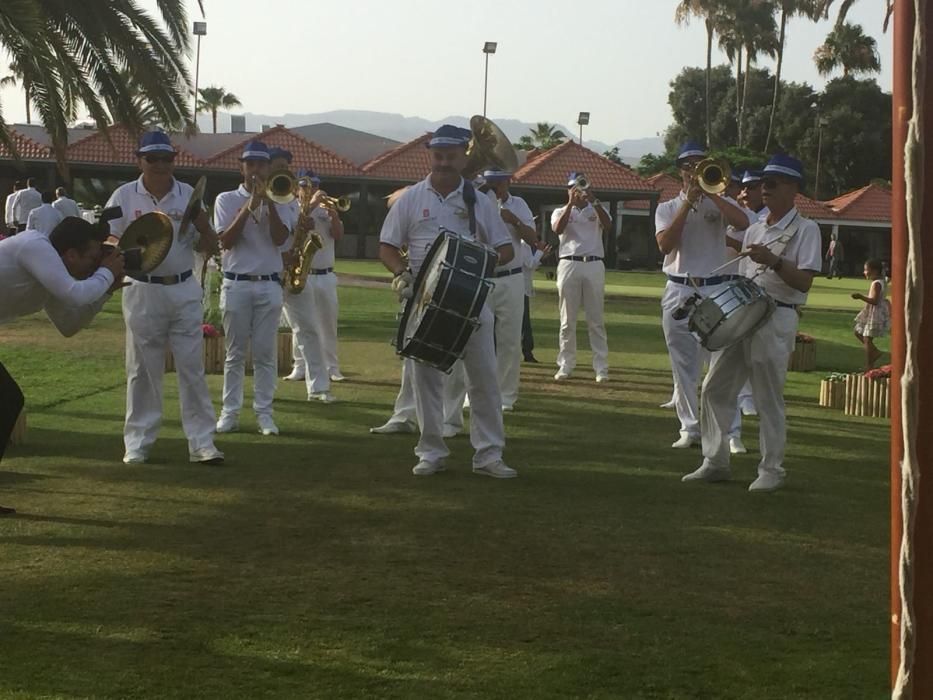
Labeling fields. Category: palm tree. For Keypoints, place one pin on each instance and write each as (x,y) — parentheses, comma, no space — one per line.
(812,10)
(542,137)
(71,53)
(16,74)
(847,47)
(706,9)
(213,98)
(847,4)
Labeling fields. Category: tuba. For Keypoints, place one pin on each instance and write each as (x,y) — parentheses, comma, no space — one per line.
(489,148)
(305,245)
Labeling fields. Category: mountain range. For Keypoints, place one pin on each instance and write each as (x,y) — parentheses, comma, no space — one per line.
(402,128)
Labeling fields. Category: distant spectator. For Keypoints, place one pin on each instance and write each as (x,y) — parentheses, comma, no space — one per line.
(44,218)
(874,320)
(835,255)
(26,200)
(10,199)
(65,206)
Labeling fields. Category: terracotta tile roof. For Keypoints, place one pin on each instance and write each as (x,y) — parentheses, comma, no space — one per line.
(305,153)
(27,148)
(813,209)
(120,150)
(409,162)
(869,203)
(550,169)
(668,185)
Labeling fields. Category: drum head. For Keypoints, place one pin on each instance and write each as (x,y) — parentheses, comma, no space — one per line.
(731,314)
(425,284)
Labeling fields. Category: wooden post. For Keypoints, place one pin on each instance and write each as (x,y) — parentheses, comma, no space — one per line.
(362,222)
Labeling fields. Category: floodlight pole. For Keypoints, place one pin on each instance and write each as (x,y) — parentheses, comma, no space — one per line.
(200,29)
(488,48)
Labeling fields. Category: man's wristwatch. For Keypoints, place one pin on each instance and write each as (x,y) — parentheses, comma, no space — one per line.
(778,265)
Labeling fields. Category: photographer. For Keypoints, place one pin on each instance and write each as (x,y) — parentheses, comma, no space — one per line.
(68,275)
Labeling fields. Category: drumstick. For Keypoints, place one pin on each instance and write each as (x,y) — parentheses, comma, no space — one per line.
(743,254)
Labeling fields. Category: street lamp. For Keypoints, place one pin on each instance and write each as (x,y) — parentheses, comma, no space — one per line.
(488,48)
(820,123)
(200,29)
(582,120)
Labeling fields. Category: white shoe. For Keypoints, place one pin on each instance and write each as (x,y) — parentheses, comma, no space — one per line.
(508,409)
(706,472)
(297,375)
(336,376)
(736,446)
(686,441)
(497,470)
(395,426)
(267,426)
(450,431)
(602,378)
(766,483)
(228,423)
(207,455)
(426,468)
(668,404)
(135,457)
(323,397)
(561,375)
(748,408)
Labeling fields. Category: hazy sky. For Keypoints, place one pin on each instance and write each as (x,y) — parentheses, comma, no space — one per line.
(613,58)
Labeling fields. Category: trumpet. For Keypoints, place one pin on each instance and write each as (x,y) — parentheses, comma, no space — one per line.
(281,186)
(341,204)
(581,183)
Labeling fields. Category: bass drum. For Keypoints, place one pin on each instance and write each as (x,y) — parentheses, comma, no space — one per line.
(449,294)
(731,314)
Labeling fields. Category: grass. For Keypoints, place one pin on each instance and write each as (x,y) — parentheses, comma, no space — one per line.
(315,565)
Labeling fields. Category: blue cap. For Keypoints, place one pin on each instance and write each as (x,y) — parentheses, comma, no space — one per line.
(751,176)
(153,141)
(449,135)
(496,174)
(255,150)
(782,164)
(276,152)
(689,150)
(572,177)
(308,174)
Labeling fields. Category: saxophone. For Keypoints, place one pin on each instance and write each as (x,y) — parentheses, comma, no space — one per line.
(305,245)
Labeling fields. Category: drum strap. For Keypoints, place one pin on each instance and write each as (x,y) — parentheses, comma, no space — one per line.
(792,228)
(469,198)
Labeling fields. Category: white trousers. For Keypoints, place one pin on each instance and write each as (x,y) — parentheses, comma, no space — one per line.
(251,313)
(761,359)
(508,306)
(745,400)
(306,343)
(157,316)
(324,317)
(582,283)
(687,356)
(487,434)
(405,401)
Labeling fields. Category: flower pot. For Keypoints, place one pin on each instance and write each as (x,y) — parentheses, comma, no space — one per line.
(868,396)
(803,359)
(832,393)
(215,352)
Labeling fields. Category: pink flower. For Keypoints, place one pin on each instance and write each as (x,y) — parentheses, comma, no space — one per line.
(209,331)
(803,338)
(879,372)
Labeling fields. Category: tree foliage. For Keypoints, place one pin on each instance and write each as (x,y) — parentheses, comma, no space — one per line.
(213,98)
(542,137)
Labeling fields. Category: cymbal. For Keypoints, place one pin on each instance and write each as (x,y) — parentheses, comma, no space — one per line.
(149,238)
(195,205)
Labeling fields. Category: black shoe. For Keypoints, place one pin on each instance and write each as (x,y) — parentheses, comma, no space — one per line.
(531,358)
(7,511)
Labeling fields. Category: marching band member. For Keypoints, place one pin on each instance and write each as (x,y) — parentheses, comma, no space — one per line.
(9,220)
(532,261)
(45,217)
(24,202)
(67,275)
(581,277)
(507,302)
(64,204)
(783,256)
(163,310)
(691,233)
(404,418)
(300,307)
(252,229)
(444,199)
(323,282)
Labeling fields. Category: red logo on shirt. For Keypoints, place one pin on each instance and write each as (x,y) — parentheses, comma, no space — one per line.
(426,213)
(138,213)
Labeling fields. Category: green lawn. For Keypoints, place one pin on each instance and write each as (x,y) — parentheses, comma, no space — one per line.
(315,565)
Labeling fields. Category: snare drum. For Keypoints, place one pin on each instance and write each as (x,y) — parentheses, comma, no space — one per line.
(731,314)
(449,294)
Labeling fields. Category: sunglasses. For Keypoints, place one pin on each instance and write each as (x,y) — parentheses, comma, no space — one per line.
(153,158)
(752,185)
(770,184)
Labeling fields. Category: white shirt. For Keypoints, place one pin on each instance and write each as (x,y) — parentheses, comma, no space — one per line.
(67,207)
(804,250)
(703,242)
(420,212)
(33,277)
(522,211)
(44,218)
(26,200)
(254,253)
(325,257)
(531,261)
(8,215)
(583,234)
(731,231)
(135,200)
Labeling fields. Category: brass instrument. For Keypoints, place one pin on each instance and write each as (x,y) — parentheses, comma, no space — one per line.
(489,148)
(341,204)
(581,183)
(305,245)
(711,175)
(281,186)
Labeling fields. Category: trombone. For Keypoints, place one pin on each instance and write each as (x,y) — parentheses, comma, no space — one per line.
(281,186)
(711,175)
